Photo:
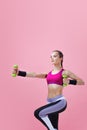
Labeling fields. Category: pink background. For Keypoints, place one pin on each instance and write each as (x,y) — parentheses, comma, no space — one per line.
(29,31)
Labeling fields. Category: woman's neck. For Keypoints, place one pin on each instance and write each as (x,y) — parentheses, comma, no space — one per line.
(57,68)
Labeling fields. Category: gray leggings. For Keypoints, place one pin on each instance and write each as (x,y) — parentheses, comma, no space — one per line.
(49,114)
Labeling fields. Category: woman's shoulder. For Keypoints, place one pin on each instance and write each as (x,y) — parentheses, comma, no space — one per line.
(65,71)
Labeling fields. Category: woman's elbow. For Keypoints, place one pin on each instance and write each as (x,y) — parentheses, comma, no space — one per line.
(83,83)
(80,82)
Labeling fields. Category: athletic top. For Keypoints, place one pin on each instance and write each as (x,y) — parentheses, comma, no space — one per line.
(55,78)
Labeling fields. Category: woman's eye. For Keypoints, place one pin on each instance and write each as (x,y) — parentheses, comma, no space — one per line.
(55,56)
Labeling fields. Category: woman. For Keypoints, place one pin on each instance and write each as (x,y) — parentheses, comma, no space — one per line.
(56,102)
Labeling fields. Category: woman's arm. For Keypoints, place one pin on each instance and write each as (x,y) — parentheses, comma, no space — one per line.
(18,72)
(35,75)
(71,75)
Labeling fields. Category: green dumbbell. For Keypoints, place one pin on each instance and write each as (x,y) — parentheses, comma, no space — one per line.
(64,76)
(15,67)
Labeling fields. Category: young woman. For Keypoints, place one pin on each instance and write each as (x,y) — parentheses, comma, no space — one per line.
(56,102)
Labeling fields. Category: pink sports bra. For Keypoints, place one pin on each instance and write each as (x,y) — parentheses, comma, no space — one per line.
(55,78)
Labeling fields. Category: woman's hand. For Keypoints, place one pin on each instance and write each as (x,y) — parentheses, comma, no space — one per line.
(15,71)
(65,81)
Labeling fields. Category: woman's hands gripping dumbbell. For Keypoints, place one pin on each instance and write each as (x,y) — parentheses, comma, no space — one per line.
(15,71)
(65,80)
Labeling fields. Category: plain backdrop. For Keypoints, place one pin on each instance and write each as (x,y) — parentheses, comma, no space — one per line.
(29,31)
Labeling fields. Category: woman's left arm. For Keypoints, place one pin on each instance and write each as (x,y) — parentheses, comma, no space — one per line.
(78,80)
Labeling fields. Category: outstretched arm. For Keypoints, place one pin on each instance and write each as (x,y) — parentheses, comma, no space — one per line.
(35,75)
(17,72)
(29,74)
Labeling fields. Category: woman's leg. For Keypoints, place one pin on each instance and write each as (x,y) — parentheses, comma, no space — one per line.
(42,113)
(54,117)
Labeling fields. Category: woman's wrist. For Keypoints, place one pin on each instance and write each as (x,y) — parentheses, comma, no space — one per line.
(22,73)
(73,82)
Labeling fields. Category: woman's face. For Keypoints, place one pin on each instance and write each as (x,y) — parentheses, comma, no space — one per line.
(55,59)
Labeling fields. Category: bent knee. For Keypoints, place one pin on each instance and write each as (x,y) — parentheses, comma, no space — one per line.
(36,113)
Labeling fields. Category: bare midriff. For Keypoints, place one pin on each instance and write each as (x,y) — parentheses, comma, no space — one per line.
(54,90)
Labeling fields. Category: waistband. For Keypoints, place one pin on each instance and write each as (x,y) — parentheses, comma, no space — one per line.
(57,98)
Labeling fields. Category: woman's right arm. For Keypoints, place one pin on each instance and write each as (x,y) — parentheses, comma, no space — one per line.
(17,72)
(28,74)
(35,75)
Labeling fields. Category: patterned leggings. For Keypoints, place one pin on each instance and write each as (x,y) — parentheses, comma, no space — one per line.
(49,114)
